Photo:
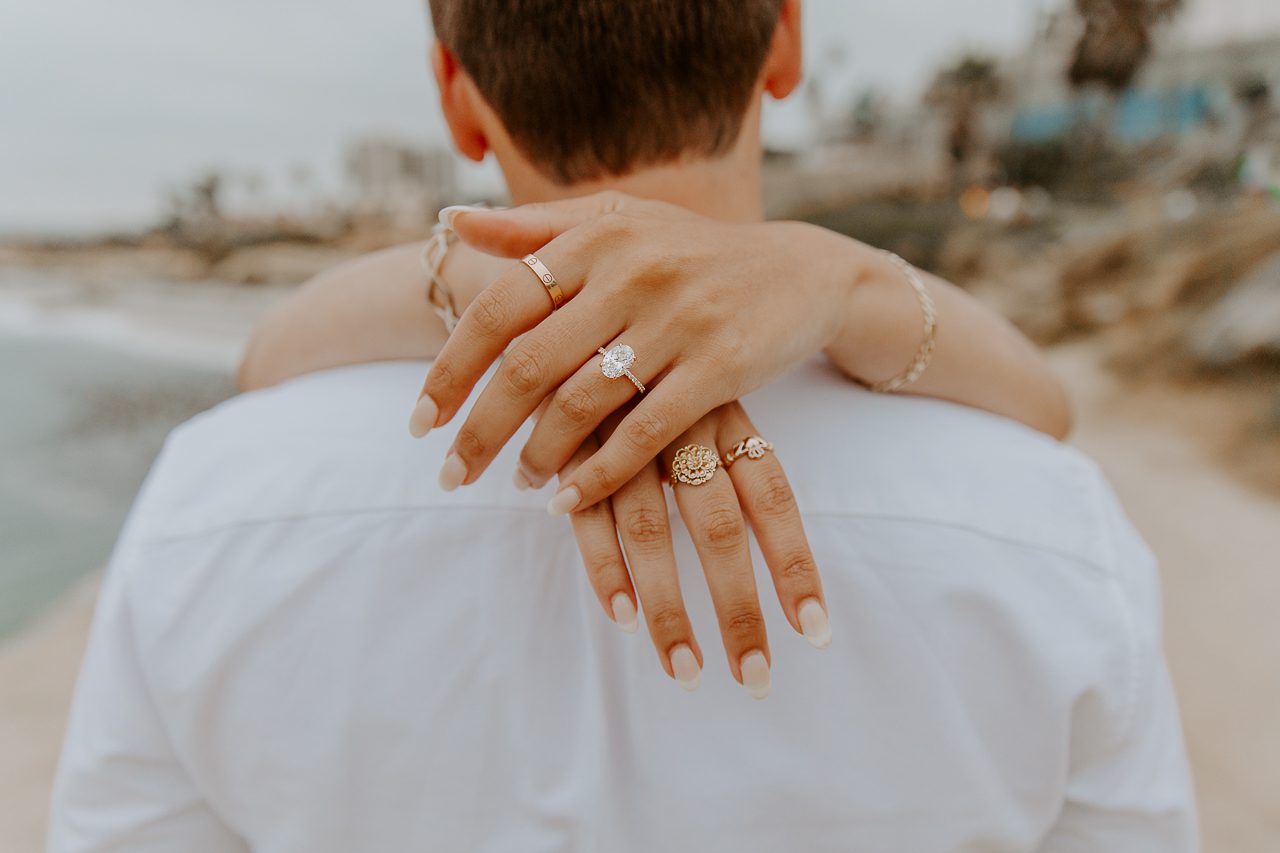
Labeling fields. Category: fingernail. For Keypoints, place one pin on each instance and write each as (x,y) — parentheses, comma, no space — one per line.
(814,624)
(755,674)
(450,213)
(423,419)
(624,613)
(453,472)
(564,501)
(684,664)
(521,481)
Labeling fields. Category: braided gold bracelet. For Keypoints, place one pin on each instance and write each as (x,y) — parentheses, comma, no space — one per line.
(925,353)
(431,260)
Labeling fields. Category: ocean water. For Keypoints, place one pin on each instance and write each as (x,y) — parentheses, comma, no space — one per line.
(80,425)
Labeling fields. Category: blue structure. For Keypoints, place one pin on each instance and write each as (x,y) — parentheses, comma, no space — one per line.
(1141,115)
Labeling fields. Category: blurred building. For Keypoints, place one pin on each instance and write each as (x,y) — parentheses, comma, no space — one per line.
(403,182)
(1228,87)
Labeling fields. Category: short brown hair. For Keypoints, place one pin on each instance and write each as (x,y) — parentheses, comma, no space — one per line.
(590,88)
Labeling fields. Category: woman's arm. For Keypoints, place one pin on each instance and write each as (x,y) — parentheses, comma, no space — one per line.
(979,360)
(374,308)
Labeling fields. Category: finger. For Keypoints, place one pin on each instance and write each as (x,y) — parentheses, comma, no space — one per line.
(513,304)
(520,230)
(582,403)
(533,369)
(640,510)
(597,536)
(719,534)
(770,506)
(665,411)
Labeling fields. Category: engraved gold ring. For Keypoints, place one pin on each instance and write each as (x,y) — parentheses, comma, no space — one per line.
(548,280)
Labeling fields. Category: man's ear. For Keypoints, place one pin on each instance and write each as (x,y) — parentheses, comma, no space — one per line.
(457,102)
(784,65)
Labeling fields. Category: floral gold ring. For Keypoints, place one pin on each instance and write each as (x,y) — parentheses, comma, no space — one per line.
(694,464)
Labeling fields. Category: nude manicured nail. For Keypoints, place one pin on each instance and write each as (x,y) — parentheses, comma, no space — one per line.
(423,419)
(521,481)
(684,664)
(624,613)
(564,501)
(814,624)
(755,674)
(453,472)
(450,213)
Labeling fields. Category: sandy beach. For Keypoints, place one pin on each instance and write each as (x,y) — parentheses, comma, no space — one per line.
(1216,538)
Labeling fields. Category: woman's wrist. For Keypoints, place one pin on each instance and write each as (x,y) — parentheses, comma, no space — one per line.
(466,272)
(880,321)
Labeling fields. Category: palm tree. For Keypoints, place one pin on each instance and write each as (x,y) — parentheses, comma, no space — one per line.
(1116,40)
(962,90)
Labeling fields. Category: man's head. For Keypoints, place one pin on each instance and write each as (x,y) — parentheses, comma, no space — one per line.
(586,90)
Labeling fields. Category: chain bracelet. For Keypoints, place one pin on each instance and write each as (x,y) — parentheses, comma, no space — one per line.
(925,353)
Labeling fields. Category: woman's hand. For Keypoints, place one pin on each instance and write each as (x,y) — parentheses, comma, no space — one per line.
(712,311)
(716,513)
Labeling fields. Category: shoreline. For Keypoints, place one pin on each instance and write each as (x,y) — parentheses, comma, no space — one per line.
(198,324)
(119,331)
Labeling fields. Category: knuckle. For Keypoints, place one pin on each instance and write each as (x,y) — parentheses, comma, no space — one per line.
(577,405)
(603,564)
(468,443)
(648,526)
(667,619)
(617,227)
(772,496)
(657,270)
(604,478)
(645,431)
(489,311)
(522,372)
(744,621)
(440,378)
(798,568)
(723,527)
(720,346)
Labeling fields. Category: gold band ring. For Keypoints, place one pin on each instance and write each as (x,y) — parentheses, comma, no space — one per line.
(617,362)
(548,280)
(694,464)
(752,447)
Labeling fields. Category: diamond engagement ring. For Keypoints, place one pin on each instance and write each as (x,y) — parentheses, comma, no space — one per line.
(694,464)
(617,363)
(752,447)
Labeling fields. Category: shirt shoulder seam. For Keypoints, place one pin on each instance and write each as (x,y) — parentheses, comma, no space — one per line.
(144,541)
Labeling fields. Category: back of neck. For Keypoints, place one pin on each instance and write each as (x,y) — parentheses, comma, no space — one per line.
(721,189)
(726,188)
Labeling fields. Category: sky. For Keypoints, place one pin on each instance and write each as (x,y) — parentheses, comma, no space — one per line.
(103,105)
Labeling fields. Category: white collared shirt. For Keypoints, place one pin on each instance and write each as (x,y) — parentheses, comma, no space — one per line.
(303,645)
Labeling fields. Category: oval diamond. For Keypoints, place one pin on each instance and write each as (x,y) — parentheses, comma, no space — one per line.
(617,360)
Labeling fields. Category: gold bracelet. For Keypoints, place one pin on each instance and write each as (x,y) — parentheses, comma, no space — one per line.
(431,260)
(921,360)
